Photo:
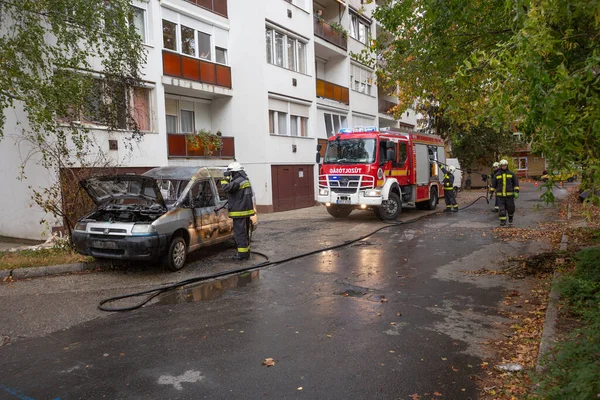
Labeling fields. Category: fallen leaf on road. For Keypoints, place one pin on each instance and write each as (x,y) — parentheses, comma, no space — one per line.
(399,314)
(384,300)
(484,365)
(437,394)
(269,362)
(121,354)
(444,359)
(455,369)
(300,388)
(379,314)
(328,336)
(415,396)
(392,351)
(392,323)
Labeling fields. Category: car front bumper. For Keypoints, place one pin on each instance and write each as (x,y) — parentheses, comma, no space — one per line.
(121,247)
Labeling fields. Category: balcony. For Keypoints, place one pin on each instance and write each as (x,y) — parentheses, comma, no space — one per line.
(331,91)
(216,6)
(180,147)
(327,33)
(193,69)
(385,106)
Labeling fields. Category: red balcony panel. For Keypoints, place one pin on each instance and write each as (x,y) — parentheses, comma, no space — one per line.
(228,149)
(191,68)
(208,73)
(223,76)
(176,145)
(332,91)
(194,151)
(220,7)
(204,3)
(326,32)
(171,64)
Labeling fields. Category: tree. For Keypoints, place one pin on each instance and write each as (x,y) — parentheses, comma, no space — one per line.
(530,65)
(67,65)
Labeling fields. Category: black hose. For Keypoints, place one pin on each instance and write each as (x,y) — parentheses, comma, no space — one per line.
(152,293)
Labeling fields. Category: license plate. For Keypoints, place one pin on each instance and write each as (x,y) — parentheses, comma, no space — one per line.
(343,200)
(104,244)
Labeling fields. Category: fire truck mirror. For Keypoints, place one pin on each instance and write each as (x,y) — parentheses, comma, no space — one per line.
(319,147)
(390,145)
(390,155)
(318,157)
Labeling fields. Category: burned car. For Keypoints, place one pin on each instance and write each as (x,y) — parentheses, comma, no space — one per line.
(161,215)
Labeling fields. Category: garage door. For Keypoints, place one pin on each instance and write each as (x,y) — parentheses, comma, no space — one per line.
(292,187)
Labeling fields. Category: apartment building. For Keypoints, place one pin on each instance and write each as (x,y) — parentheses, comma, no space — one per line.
(273,78)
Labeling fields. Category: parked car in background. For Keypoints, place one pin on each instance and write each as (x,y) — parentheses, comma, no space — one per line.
(457,173)
(161,215)
(559,176)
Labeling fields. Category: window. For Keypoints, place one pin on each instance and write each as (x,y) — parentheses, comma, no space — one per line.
(359,28)
(221,55)
(171,123)
(187,121)
(521,162)
(285,51)
(281,123)
(192,43)
(361,122)
(169,35)
(362,80)
(139,22)
(204,45)
(188,41)
(287,118)
(333,123)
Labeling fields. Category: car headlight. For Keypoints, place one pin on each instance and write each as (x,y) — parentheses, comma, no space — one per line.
(373,193)
(143,229)
(323,192)
(81,226)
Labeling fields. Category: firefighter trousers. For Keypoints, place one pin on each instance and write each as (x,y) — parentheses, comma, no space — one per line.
(450,199)
(507,206)
(241,234)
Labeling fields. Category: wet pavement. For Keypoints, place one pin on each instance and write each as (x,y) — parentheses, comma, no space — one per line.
(397,314)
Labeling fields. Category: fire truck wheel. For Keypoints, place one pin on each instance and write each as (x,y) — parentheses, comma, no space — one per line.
(390,209)
(339,211)
(433,199)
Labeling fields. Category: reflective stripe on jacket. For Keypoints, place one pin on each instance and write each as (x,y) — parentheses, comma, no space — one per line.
(505,183)
(239,196)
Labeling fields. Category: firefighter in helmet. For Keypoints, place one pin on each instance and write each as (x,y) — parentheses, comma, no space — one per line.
(448,183)
(506,186)
(496,168)
(240,206)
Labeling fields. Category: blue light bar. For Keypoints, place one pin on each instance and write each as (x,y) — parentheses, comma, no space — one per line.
(370,129)
(345,130)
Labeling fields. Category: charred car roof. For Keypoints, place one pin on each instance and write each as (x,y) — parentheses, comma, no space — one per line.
(185,173)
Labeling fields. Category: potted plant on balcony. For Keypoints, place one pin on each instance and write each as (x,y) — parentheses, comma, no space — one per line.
(206,140)
(338,28)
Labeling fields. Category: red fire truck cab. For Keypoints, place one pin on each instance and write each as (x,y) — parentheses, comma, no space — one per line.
(380,170)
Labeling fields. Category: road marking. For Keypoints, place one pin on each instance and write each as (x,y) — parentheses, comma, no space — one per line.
(188,377)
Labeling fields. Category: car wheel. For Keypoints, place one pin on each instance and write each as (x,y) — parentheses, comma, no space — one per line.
(433,198)
(339,211)
(176,255)
(390,209)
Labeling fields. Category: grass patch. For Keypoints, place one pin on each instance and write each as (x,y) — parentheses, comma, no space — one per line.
(39,258)
(573,368)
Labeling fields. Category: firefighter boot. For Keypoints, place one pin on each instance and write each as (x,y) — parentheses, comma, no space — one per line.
(448,209)
(455,208)
(510,220)
(241,256)
(503,222)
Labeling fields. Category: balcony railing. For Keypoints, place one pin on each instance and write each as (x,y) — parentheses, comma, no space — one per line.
(216,6)
(326,32)
(197,70)
(179,146)
(331,91)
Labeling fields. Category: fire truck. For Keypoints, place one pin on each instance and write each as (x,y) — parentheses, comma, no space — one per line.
(380,170)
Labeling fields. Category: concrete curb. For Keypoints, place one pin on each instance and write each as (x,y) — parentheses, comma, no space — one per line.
(37,272)
(549,330)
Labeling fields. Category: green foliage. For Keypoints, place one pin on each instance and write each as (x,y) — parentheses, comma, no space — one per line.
(572,371)
(531,65)
(206,140)
(67,64)
(337,27)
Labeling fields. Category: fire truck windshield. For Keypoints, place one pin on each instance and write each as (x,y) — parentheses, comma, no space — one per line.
(351,151)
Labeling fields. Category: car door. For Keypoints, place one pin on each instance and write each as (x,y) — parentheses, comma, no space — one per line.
(204,203)
(225,223)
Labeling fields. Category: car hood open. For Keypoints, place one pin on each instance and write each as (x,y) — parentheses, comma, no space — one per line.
(104,189)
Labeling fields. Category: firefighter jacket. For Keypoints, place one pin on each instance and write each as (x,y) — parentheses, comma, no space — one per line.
(505,183)
(448,181)
(239,196)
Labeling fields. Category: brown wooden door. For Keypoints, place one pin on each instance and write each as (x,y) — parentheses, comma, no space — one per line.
(292,187)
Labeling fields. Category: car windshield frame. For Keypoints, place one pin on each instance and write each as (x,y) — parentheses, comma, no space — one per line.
(351,151)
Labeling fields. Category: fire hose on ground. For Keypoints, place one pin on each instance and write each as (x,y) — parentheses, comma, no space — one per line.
(152,293)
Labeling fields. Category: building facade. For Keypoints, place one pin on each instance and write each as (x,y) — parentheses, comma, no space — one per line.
(273,78)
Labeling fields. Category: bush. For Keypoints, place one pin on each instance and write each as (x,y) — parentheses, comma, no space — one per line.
(573,369)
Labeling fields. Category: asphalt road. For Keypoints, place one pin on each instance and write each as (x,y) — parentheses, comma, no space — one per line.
(394,315)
